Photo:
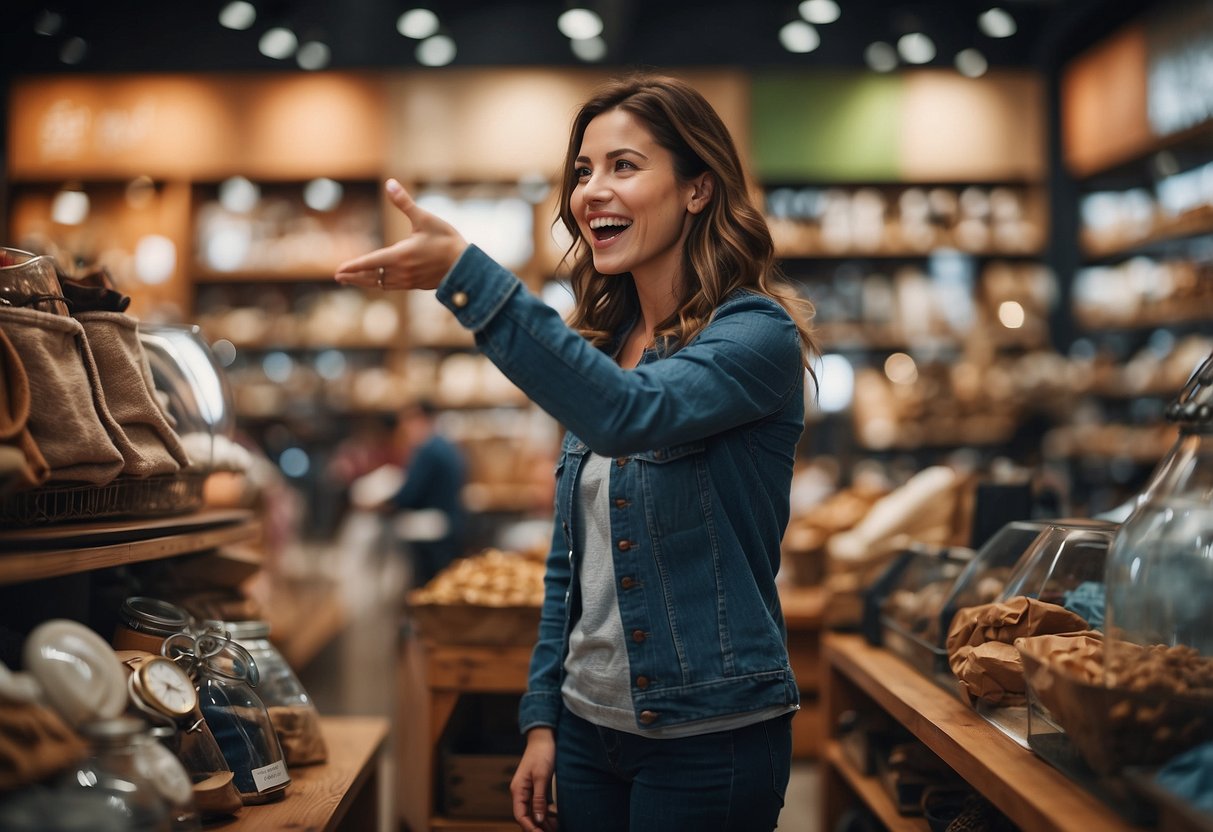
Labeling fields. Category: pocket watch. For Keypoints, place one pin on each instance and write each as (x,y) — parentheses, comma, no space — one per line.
(160,683)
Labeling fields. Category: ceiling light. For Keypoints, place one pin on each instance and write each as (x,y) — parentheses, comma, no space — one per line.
(278,43)
(996,23)
(73,51)
(820,11)
(971,63)
(579,24)
(880,57)
(438,50)
(238,15)
(916,48)
(322,194)
(590,50)
(313,55)
(418,24)
(799,37)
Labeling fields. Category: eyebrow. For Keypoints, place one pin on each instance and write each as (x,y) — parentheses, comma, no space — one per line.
(615,154)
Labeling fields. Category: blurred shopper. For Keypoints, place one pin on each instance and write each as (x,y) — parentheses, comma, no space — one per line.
(431,520)
(660,692)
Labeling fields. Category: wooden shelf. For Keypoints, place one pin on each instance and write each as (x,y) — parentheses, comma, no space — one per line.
(64,549)
(871,792)
(341,794)
(1025,788)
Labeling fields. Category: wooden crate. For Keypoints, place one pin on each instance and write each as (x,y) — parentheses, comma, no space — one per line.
(477,785)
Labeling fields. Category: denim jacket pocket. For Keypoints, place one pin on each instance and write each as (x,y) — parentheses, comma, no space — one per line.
(672,453)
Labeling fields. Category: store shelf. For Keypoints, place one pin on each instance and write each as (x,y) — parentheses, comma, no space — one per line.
(1159,238)
(64,549)
(341,794)
(1030,792)
(871,792)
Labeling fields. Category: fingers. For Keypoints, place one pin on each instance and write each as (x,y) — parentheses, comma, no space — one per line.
(401,199)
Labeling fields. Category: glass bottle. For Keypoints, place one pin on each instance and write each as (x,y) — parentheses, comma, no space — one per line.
(291,710)
(1158,652)
(225,675)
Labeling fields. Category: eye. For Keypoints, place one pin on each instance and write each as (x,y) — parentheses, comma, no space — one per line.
(624,164)
(581,172)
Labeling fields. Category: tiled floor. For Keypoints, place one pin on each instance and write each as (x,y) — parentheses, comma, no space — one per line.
(355,673)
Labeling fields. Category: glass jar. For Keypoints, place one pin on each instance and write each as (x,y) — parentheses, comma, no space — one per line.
(144,623)
(291,710)
(30,280)
(1158,649)
(137,774)
(225,675)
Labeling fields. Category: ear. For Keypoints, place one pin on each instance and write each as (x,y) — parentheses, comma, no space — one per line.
(703,186)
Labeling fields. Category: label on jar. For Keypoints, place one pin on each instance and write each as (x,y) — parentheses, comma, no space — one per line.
(271,776)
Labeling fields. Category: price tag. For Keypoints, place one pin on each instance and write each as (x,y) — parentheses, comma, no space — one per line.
(271,776)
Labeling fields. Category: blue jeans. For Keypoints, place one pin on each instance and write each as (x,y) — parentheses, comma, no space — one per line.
(730,781)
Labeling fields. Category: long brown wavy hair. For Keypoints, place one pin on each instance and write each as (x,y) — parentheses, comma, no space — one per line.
(729,245)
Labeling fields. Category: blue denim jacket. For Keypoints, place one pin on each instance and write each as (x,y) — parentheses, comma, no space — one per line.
(704,441)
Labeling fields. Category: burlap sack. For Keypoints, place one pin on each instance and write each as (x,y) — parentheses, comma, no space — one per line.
(68,416)
(148,444)
(35,743)
(22,465)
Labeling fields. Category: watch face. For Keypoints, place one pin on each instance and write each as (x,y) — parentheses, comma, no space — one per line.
(166,687)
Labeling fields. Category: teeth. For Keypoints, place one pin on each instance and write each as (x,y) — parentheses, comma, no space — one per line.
(607,222)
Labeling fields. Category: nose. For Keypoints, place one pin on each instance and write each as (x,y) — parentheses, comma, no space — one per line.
(596,188)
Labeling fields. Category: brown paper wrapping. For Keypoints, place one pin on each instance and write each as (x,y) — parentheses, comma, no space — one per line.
(980,645)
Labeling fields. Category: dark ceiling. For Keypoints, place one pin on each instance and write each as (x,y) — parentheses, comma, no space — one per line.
(184,35)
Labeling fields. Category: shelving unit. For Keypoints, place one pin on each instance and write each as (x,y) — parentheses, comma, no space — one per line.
(1031,793)
(432,678)
(341,794)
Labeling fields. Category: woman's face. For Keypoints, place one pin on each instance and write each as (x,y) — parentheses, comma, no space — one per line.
(631,210)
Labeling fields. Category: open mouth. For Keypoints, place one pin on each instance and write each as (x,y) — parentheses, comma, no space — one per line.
(606,228)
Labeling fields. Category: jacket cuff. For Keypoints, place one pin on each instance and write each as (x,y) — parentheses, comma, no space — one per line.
(475,288)
(539,710)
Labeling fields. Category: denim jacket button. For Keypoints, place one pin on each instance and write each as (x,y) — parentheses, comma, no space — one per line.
(621,461)
(621,502)
(648,717)
(638,636)
(627,582)
(624,545)
(642,682)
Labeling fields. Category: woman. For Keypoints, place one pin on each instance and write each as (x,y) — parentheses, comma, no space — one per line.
(660,693)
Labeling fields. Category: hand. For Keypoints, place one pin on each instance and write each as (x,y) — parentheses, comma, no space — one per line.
(419,261)
(530,789)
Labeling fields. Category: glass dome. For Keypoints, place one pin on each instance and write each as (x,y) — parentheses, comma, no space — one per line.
(195,391)
(1159,616)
